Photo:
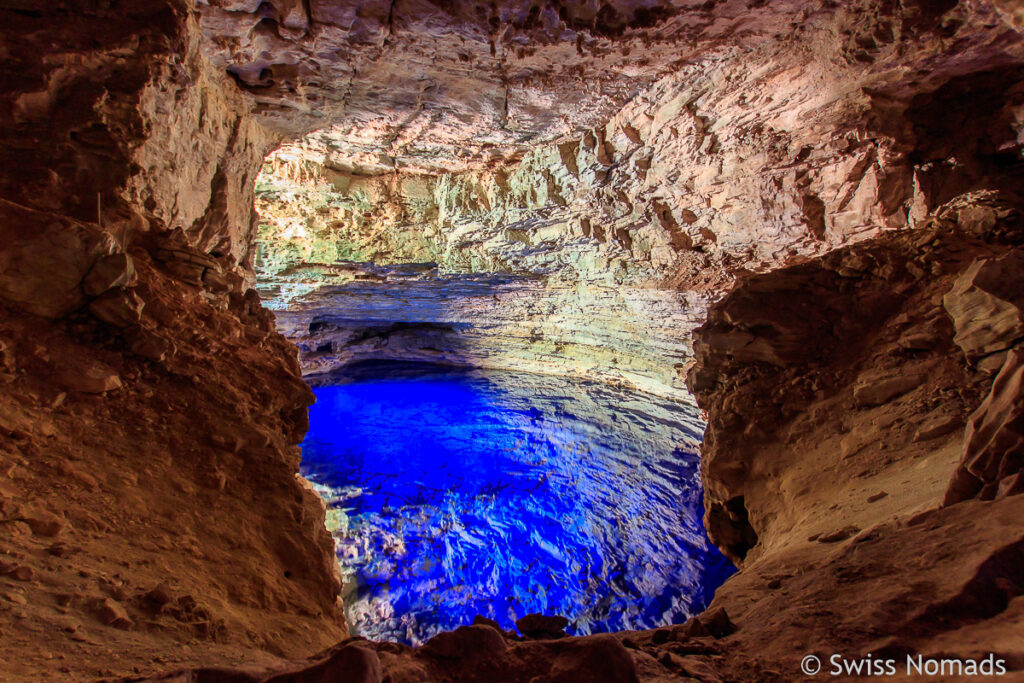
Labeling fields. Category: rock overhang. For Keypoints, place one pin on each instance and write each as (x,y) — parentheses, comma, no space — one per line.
(407,83)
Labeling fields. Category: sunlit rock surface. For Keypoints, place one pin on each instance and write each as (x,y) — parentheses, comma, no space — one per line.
(716,140)
(447,85)
(633,336)
(771,144)
(457,493)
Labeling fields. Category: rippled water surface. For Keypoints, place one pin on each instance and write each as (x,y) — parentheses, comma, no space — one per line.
(457,493)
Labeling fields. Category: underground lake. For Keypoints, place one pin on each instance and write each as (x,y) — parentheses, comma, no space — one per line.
(453,493)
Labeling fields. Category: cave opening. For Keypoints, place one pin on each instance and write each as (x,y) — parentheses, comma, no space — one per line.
(495,434)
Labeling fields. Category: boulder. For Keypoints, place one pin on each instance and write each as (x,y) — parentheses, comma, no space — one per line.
(694,628)
(541,626)
(481,620)
(112,613)
(44,523)
(938,426)
(717,623)
(350,663)
(874,389)
(159,596)
(90,378)
(115,270)
(42,263)
(985,305)
(466,641)
(596,659)
(120,307)
(150,345)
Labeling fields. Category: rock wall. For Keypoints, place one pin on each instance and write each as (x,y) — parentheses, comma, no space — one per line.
(836,457)
(149,505)
(756,153)
(441,86)
(628,335)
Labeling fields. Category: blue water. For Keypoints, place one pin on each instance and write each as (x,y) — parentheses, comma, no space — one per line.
(455,493)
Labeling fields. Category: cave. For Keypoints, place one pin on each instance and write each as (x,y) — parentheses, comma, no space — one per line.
(497,432)
(767,257)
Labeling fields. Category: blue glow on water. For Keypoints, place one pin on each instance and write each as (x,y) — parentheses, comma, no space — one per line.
(458,493)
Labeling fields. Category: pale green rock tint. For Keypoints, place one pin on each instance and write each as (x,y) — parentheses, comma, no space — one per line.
(584,304)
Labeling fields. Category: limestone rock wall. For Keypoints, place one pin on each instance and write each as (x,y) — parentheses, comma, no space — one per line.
(836,455)
(746,158)
(626,335)
(443,86)
(148,497)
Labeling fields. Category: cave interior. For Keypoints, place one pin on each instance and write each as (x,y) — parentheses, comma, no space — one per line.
(771,251)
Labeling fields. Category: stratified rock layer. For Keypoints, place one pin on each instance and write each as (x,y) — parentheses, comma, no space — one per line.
(628,335)
(837,395)
(682,144)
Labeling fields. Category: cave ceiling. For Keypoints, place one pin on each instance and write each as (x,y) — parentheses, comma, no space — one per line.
(453,86)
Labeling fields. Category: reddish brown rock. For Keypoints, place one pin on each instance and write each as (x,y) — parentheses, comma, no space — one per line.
(994,442)
(938,426)
(542,626)
(91,377)
(112,613)
(44,260)
(121,307)
(349,663)
(986,306)
(717,623)
(466,642)
(44,523)
(876,389)
(597,659)
(115,270)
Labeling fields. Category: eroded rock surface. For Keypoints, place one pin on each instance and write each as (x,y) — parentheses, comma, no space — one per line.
(837,394)
(767,146)
(626,335)
(148,423)
(149,504)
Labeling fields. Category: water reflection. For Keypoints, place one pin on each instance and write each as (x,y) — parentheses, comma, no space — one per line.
(455,493)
